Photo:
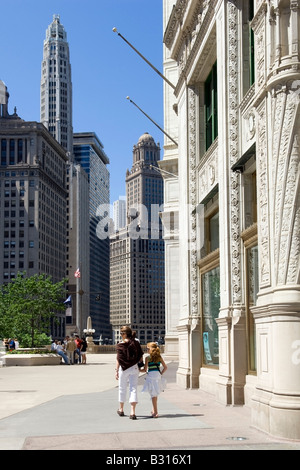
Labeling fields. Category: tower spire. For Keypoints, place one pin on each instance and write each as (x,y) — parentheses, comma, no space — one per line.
(56,85)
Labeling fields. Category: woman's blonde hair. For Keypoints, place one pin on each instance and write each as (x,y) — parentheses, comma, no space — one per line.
(154,352)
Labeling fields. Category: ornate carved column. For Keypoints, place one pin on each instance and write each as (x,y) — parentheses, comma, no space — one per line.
(295,29)
(232,327)
(195,326)
(276,403)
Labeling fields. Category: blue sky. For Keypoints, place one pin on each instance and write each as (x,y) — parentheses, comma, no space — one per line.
(105,70)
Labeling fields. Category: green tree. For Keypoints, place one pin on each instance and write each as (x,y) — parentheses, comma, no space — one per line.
(27,305)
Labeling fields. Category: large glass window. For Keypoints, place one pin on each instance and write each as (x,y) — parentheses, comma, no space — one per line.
(3,152)
(251,44)
(20,150)
(211,112)
(210,312)
(213,232)
(11,152)
(252,291)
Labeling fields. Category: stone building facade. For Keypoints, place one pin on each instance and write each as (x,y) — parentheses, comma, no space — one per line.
(33,201)
(234,112)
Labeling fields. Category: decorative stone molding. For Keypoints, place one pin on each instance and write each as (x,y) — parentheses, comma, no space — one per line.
(258,26)
(192,96)
(263,199)
(190,36)
(233,107)
(286,206)
(248,99)
(207,171)
(176,19)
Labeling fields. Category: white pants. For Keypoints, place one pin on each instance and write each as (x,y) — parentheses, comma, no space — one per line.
(130,376)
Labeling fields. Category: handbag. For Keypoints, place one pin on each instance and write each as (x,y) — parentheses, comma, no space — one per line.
(141,364)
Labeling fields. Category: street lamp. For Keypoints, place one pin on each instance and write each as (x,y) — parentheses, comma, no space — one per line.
(89,331)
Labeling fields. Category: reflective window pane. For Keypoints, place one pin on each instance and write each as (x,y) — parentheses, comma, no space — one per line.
(211,306)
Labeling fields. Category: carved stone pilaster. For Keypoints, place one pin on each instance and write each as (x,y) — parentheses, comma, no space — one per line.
(263,199)
(233,107)
(193,200)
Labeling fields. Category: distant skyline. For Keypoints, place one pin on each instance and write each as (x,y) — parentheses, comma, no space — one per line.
(105,70)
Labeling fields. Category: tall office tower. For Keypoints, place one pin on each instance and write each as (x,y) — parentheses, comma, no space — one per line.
(32,201)
(89,154)
(78,255)
(56,85)
(119,214)
(137,251)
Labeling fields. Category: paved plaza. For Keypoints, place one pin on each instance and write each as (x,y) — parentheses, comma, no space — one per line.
(75,408)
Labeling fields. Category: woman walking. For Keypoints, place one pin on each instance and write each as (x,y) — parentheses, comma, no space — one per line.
(154,383)
(129,353)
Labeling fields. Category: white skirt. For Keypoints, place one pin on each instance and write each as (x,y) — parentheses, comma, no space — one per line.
(154,383)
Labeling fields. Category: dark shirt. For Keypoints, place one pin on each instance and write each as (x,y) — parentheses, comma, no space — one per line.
(129,353)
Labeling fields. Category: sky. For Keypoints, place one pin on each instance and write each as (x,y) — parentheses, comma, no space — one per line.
(105,70)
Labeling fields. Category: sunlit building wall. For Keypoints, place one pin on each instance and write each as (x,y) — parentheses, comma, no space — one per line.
(234,112)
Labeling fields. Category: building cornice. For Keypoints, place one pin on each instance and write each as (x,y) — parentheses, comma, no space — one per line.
(186,31)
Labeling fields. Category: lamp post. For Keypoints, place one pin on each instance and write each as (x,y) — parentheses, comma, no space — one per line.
(89,331)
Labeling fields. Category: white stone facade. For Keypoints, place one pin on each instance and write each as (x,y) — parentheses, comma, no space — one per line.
(234,321)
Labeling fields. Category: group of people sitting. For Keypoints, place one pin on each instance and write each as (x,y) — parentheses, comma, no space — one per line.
(72,350)
(10,344)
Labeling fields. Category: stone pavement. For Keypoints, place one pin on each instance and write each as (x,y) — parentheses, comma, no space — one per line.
(74,408)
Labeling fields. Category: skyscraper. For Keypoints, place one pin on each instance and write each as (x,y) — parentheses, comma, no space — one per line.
(119,214)
(137,251)
(89,154)
(32,201)
(56,85)
(87,184)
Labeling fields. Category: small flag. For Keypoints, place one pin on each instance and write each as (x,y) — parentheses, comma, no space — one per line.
(68,302)
(77,273)
(68,312)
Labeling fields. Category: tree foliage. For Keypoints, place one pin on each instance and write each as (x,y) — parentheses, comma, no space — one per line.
(27,305)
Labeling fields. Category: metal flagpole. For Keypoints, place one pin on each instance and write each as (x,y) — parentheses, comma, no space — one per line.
(153,121)
(146,60)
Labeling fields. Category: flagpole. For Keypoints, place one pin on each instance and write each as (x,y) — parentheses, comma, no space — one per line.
(160,128)
(144,58)
(81,298)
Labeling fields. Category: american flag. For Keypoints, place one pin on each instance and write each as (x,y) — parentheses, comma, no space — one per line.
(77,273)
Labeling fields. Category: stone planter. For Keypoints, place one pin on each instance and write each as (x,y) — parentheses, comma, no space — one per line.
(32,360)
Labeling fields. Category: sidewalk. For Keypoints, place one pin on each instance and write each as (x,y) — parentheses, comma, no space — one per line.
(74,408)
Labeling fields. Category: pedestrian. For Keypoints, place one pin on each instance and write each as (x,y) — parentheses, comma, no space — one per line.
(61,352)
(54,345)
(66,339)
(11,344)
(17,345)
(154,382)
(70,349)
(78,349)
(83,350)
(129,353)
